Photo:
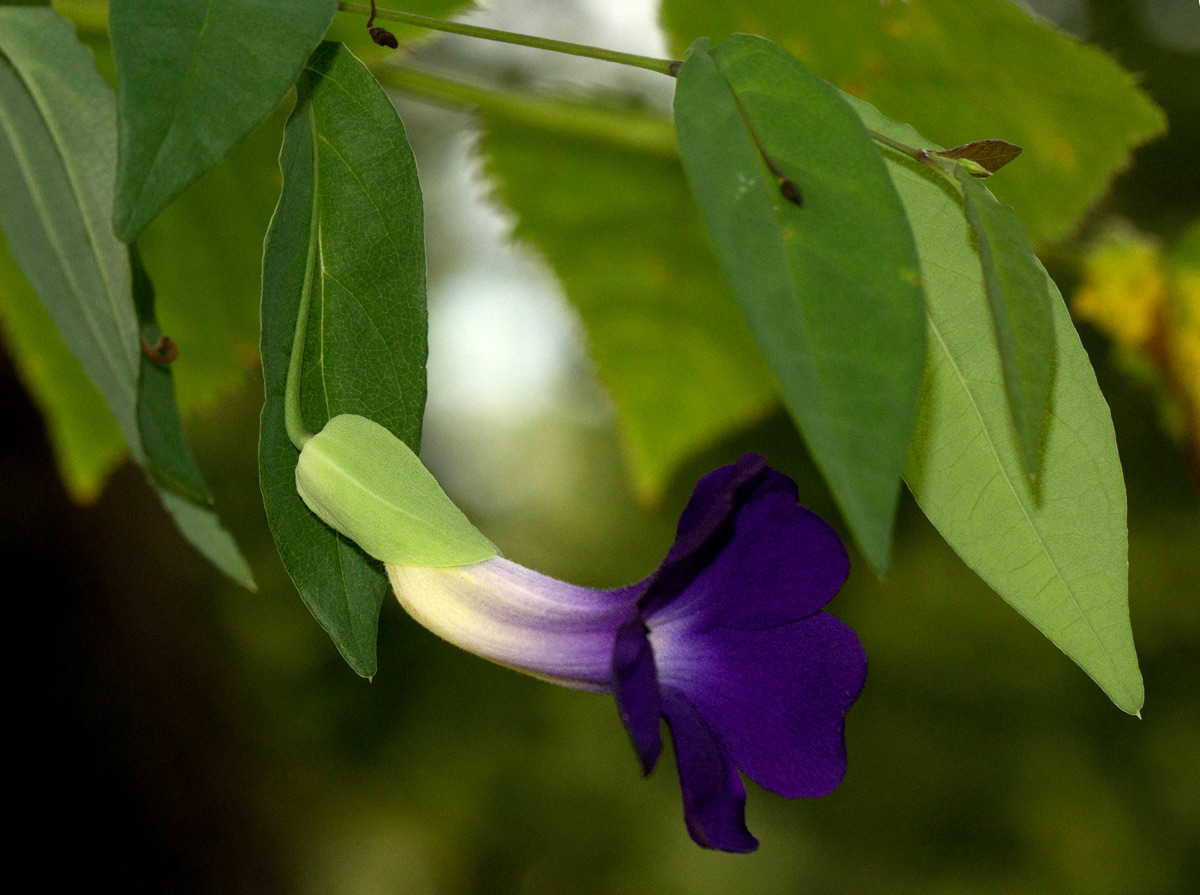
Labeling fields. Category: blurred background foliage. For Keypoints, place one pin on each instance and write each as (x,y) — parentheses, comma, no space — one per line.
(189,736)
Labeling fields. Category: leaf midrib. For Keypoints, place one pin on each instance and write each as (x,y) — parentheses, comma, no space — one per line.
(124,383)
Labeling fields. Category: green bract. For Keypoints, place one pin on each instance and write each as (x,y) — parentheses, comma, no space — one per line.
(366,483)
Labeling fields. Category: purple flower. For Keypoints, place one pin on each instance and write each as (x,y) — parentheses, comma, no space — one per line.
(726,642)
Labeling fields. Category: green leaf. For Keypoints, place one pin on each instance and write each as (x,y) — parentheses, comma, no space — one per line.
(961,70)
(87,442)
(57,158)
(1058,555)
(57,153)
(170,463)
(348,233)
(1018,292)
(829,288)
(600,192)
(366,483)
(194,78)
(205,256)
(169,459)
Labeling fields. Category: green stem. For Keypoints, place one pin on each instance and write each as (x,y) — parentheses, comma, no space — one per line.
(640,131)
(662,66)
(293,414)
(928,157)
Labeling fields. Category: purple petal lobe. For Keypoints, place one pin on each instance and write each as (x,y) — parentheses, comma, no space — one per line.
(769,562)
(776,698)
(714,797)
(636,691)
(702,528)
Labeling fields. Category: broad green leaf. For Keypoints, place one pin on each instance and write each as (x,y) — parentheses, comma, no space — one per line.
(204,254)
(57,154)
(1018,292)
(87,442)
(961,70)
(366,483)
(57,158)
(1058,555)
(828,287)
(194,78)
(348,235)
(600,192)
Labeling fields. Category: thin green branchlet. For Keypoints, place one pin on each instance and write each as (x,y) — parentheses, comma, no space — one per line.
(650,63)
(944,164)
(644,132)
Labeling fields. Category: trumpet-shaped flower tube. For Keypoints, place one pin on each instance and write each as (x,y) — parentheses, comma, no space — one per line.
(726,641)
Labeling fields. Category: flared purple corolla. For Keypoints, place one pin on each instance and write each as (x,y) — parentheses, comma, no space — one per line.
(726,641)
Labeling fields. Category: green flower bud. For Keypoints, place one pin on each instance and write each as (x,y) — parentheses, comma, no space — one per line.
(366,483)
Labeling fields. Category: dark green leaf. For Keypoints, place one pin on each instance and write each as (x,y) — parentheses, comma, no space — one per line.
(830,288)
(169,460)
(962,70)
(194,78)
(349,229)
(57,155)
(1057,553)
(1019,295)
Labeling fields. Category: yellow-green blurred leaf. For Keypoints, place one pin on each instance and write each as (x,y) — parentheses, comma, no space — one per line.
(87,442)
(621,229)
(962,70)
(204,254)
